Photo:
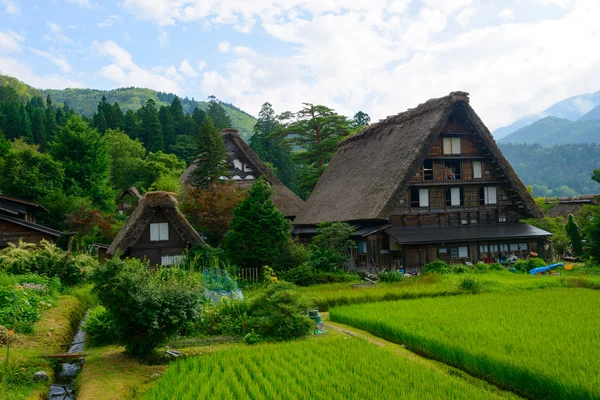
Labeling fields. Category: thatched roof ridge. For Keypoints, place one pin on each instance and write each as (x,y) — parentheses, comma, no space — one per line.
(139,219)
(286,201)
(570,205)
(369,171)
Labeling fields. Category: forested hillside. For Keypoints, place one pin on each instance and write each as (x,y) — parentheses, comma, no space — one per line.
(552,130)
(560,170)
(85,101)
(594,113)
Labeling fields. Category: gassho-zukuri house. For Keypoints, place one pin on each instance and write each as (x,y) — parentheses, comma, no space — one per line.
(245,166)
(425,184)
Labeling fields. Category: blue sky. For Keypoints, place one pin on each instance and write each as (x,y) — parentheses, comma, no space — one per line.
(515,57)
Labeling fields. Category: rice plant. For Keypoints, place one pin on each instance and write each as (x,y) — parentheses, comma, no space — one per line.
(324,368)
(541,343)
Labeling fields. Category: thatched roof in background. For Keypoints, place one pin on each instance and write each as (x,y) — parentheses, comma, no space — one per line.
(370,170)
(132,191)
(570,205)
(286,201)
(137,222)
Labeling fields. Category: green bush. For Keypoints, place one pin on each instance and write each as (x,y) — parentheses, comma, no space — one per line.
(46,259)
(390,276)
(292,255)
(100,327)
(529,264)
(459,269)
(305,275)
(277,312)
(437,267)
(470,285)
(147,307)
(481,268)
(497,267)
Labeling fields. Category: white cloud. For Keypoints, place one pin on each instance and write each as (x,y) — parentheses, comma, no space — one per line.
(110,21)
(558,3)
(507,13)
(224,47)
(163,38)
(201,65)
(21,70)
(82,3)
(10,42)
(125,72)
(465,15)
(186,68)
(55,34)
(58,61)
(10,7)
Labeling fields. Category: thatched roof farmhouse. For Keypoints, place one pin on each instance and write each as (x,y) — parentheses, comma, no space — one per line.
(432,172)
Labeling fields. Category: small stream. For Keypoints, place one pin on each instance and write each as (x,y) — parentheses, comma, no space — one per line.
(62,388)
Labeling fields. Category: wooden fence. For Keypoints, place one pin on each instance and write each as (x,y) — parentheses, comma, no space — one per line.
(250,274)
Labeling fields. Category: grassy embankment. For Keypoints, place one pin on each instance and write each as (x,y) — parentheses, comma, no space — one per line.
(54,329)
(540,343)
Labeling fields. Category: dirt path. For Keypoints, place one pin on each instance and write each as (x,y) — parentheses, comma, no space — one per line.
(404,352)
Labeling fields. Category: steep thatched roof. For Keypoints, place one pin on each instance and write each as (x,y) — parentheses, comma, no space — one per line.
(137,222)
(285,200)
(369,171)
(132,191)
(570,205)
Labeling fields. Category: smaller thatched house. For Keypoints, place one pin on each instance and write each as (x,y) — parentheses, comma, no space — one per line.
(156,231)
(18,222)
(245,166)
(570,205)
(128,200)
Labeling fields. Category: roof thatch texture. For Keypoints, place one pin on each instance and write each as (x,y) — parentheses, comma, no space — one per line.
(286,201)
(369,170)
(150,203)
(571,205)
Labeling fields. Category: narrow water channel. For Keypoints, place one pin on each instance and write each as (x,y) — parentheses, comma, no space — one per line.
(62,388)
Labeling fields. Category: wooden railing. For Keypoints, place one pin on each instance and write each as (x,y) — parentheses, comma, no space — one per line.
(250,274)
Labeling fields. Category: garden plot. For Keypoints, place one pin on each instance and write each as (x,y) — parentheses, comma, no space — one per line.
(541,343)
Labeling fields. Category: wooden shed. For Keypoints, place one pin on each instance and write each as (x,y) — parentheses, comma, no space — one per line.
(156,232)
(18,222)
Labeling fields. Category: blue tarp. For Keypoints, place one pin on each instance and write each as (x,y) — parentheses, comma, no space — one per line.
(539,270)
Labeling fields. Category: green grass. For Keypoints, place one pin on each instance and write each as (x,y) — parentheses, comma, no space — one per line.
(330,295)
(541,343)
(332,367)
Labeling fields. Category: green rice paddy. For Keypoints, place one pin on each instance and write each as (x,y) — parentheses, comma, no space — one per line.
(541,343)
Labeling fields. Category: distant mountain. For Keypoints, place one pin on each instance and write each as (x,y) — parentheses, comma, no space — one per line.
(571,109)
(594,113)
(552,130)
(85,101)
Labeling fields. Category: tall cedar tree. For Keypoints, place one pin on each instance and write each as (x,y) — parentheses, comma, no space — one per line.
(273,150)
(50,119)
(258,229)
(38,126)
(84,155)
(168,126)
(592,236)
(177,113)
(218,114)
(573,232)
(24,130)
(4,145)
(152,135)
(132,125)
(318,130)
(198,116)
(211,160)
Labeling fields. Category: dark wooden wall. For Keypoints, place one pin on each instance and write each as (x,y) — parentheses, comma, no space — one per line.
(145,249)
(11,233)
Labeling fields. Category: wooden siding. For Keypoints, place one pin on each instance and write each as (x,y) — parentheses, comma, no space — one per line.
(152,251)
(12,233)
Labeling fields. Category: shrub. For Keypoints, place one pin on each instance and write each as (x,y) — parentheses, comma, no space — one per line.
(48,260)
(529,264)
(390,276)
(481,267)
(147,307)
(305,275)
(100,327)
(436,267)
(277,312)
(291,255)
(459,269)
(497,267)
(470,285)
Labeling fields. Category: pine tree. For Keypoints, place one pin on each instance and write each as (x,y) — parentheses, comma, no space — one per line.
(211,160)
(131,124)
(38,127)
(24,130)
(118,119)
(198,115)
(156,141)
(258,229)
(573,232)
(50,119)
(100,121)
(11,121)
(4,145)
(167,125)
(218,114)
(176,110)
